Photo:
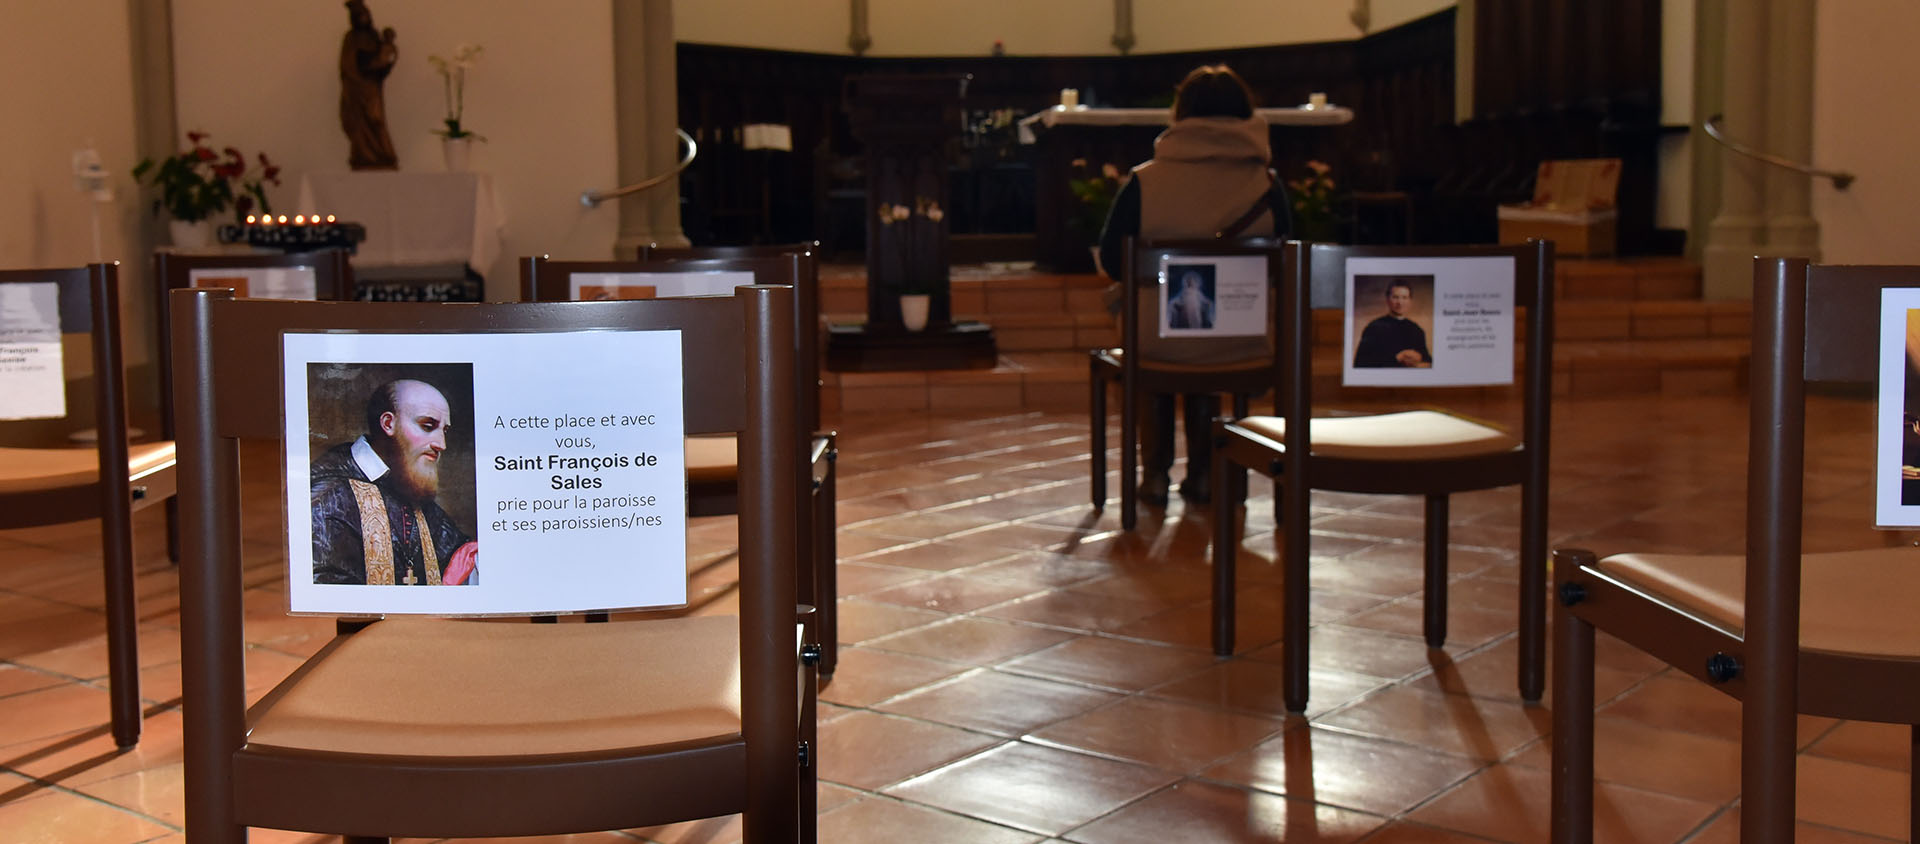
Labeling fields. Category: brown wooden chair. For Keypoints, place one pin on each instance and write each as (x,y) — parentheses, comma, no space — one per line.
(436,728)
(1783,632)
(111,480)
(710,460)
(332,281)
(1147,371)
(1424,452)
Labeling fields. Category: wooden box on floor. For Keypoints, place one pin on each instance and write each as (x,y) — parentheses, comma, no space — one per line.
(1573,206)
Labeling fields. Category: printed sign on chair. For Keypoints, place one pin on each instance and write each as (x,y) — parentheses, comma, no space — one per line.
(408,455)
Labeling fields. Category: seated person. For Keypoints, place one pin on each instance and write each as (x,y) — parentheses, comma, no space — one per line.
(1209,172)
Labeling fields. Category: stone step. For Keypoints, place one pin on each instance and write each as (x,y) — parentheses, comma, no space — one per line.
(1055,380)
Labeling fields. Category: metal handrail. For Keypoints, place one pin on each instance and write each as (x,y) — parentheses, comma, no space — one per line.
(593,198)
(1840,179)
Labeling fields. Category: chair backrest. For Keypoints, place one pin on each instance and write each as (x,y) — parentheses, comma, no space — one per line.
(230,380)
(264,276)
(1809,326)
(546,280)
(1234,287)
(267,276)
(89,303)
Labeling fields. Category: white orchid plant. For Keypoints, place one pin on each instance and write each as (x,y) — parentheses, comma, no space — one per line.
(453,74)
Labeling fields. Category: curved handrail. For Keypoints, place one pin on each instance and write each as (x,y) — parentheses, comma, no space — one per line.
(1840,179)
(593,198)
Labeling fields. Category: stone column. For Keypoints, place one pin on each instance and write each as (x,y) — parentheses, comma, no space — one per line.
(646,97)
(1738,232)
(1791,229)
(155,133)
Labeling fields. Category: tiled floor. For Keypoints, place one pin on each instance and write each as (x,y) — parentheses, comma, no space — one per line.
(1019,670)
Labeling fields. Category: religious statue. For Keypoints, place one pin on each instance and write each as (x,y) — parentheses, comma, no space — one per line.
(366,57)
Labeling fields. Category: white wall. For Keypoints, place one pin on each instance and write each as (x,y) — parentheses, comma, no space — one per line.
(1030,27)
(1864,60)
(811,26)
(60,97)
(264,76)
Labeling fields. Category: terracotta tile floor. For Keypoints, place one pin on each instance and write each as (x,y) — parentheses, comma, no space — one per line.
(1016,669)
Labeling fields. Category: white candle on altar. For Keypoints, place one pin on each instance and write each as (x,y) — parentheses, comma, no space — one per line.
(1069,97)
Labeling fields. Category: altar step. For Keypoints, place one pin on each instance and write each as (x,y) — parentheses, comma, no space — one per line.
(1623,327)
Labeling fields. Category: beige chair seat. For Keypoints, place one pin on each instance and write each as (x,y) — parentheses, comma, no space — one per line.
(1118,354)
(437,687)
(1409,435)
(40,469)
(1857,602)
(712,458)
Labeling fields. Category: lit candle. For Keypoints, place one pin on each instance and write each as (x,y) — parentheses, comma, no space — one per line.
(283,219)
(1069,97)
(249,219)
(329,218)
(299,219)
(1317,100)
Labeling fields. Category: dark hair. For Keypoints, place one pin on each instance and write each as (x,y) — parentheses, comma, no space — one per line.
(383,400)
(1212,90)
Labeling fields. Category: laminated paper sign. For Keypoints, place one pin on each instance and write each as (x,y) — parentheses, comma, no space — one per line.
(1216,296)
(485,474)
(592,287)
(1428,322)
(1897,429)
(261,282)
(32,385)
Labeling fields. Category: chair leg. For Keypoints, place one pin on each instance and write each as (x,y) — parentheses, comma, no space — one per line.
(1097,422)
(1436,575)
(1533,594)
(172,506)
(826,550)
(1572,813)
(1129,461)
(1227,497)
(123,627)
(1296,608)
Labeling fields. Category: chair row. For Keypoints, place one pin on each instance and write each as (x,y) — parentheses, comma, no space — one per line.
(1785,632)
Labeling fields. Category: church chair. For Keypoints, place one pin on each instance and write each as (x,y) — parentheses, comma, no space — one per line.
(1431,453)
(425,727)
(710,460)
(1246,366)
(1782,631)
(332,280)
(108,481)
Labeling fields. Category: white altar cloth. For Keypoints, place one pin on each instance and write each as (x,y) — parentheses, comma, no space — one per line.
(1084,116)
(412,219)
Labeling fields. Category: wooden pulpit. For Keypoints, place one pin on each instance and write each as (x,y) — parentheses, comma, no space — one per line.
(907,123)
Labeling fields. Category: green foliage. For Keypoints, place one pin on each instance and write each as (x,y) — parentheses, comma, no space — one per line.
(1093,191)
(1313,204)
(197,183)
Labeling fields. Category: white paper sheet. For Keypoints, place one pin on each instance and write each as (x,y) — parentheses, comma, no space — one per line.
(588,287)
(32,383)
(261,282)
(1213,296)
(1428,322)
(576,489)
(1897,462)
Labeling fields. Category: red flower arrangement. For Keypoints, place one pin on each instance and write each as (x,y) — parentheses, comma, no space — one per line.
(197,183)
